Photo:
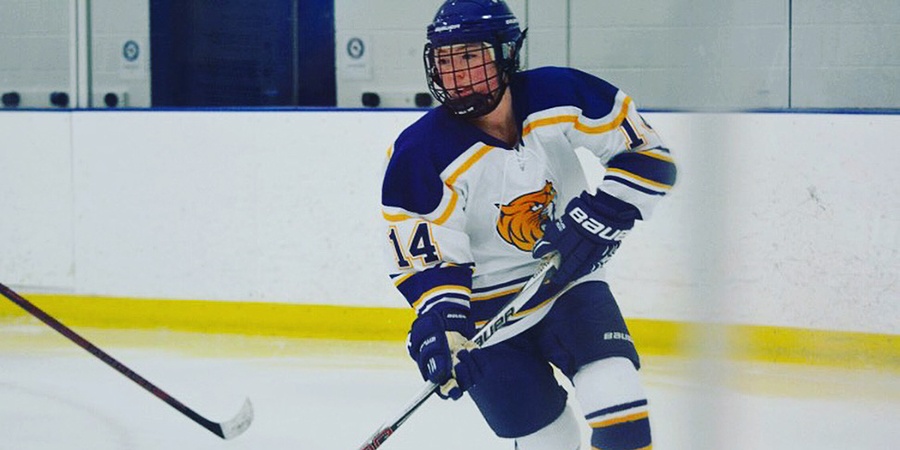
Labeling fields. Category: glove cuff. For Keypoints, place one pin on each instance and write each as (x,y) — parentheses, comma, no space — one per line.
(618,212)
(454,317)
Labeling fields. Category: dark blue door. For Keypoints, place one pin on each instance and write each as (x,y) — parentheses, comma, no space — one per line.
(242,53)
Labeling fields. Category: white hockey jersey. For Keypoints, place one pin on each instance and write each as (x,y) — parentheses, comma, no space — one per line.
(463,211)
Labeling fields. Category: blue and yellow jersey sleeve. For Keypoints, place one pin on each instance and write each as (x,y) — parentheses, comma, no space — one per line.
(601,118)
(422,205)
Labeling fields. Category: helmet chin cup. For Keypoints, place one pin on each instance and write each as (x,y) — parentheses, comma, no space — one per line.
(475,104)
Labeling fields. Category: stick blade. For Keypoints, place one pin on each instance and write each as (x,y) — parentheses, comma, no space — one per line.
(239,423)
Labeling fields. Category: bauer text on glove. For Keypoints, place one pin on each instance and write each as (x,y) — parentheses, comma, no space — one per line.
(587,234)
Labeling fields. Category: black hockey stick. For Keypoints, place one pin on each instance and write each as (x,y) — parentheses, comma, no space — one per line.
(225,430)
(484,334)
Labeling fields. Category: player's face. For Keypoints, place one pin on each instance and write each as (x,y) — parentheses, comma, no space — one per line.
(466,68)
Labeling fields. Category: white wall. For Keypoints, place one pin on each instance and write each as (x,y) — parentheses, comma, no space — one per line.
(36,200)
(115,23)
(43,49)
(230,206)
(29,28)
(391,62)
(780,219)
(845,53)
(777,219)
(685,53)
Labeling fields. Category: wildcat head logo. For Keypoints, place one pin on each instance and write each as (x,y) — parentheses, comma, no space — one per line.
(520,220)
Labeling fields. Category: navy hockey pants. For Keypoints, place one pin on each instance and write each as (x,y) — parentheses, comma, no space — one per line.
(518,393)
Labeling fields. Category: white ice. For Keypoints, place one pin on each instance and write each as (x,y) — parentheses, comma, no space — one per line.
(326,395)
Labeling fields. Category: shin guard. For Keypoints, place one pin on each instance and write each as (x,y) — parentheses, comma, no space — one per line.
(614,404)
(562,434)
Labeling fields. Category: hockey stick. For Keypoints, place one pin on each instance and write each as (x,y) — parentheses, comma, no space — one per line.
(484,334)
(225,430)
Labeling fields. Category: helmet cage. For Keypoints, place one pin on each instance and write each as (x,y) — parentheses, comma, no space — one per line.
(474,79)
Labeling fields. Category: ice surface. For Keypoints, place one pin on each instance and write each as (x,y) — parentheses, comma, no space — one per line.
(325,395)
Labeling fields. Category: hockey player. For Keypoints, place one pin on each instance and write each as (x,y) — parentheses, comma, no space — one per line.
(484,184)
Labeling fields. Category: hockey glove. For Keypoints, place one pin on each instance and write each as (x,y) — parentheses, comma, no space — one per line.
(434,341)
(468,367)
(587,235)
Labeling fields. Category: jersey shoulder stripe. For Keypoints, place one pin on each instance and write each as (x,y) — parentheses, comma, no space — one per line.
(412,180)
(553,87)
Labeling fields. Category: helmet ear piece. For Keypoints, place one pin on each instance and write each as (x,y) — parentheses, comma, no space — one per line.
(510,52)
(518,50)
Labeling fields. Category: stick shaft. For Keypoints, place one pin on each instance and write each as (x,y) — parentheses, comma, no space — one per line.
(62,329)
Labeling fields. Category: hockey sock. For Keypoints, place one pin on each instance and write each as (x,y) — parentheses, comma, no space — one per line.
(621,427)
(614,404)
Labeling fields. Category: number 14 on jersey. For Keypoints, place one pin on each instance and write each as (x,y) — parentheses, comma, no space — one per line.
(421,246)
